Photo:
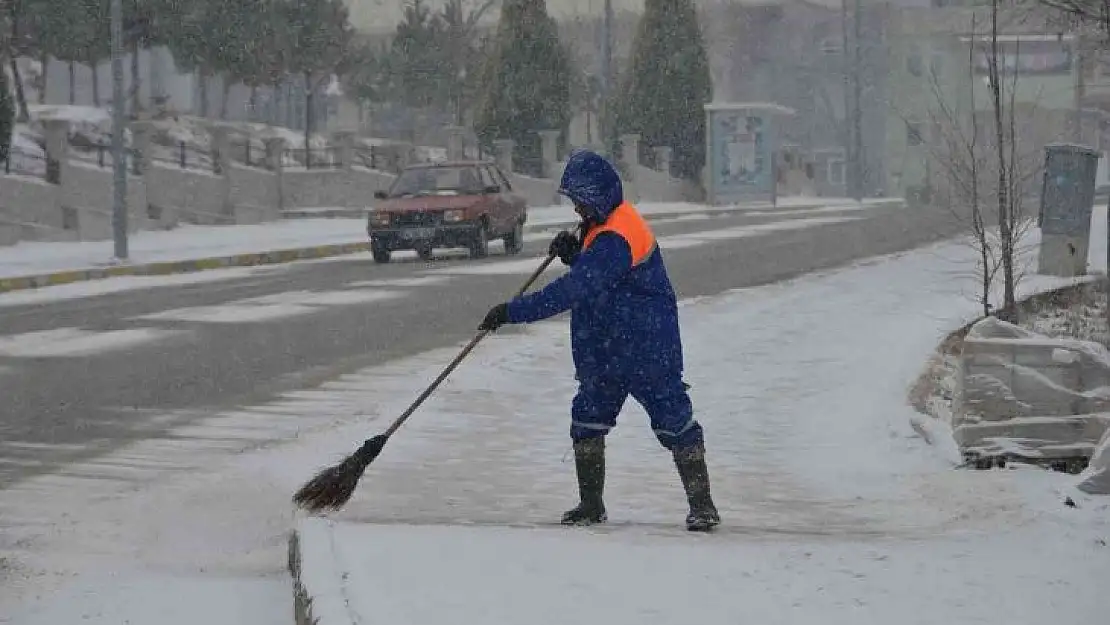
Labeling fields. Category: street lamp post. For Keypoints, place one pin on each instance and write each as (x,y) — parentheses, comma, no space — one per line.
(119,159)
(607,137)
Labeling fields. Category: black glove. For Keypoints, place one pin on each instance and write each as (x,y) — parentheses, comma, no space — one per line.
(566,247)
(495,318)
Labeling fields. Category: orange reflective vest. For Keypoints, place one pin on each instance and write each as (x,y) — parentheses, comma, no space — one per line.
(633,228)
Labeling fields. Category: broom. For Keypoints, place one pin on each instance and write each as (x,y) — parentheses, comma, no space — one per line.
(332,487)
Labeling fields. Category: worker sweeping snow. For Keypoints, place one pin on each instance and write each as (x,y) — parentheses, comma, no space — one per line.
(625,337)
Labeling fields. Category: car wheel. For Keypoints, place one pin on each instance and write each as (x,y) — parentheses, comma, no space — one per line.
(479,245)
(424,252)
(380,254)
(514,241)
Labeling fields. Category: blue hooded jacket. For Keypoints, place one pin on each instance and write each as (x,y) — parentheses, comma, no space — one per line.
(624,319)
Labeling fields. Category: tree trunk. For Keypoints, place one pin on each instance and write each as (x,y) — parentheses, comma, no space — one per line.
(224,95)
(44,62)
(1008,312)
(20,94)
(308,101)
(94,67)
(72,83)
(136,81)
(275,103)
(253,104)
(203,74)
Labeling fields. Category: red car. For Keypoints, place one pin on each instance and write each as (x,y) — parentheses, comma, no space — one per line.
(454,204)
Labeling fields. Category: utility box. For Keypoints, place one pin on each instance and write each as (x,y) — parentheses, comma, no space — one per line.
(742,145)
(1067,200)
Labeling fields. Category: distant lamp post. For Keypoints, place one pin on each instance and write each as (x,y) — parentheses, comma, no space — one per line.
(119,162)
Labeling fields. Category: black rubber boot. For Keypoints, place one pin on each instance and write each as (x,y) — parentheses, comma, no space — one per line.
(589,463)
(690,462)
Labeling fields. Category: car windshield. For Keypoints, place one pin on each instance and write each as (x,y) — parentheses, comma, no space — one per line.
(437,181)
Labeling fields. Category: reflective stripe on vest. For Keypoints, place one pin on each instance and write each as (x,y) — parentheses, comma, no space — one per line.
(628,223)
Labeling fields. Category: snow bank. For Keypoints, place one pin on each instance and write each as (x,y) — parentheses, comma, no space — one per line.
(91,126)
(1095,479)
(183,243)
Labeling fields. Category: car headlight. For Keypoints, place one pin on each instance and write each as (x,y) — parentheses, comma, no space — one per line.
(379,219)
(453,216)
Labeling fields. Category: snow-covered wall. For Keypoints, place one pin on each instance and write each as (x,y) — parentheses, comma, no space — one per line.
(310,188)
(26,200)
(185,194)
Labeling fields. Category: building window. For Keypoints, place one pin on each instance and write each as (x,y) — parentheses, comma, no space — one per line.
(913,134)
(835,171)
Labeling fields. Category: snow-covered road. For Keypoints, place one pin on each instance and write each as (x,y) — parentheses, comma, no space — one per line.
(834,510)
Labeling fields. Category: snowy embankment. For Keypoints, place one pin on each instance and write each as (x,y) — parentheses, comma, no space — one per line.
(1044,403)
(90,133)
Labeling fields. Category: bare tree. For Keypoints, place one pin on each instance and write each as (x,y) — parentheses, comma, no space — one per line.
(1096,12)
(977,166)
(955,150)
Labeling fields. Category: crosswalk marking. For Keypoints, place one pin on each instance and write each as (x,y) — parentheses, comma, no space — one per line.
(509,267)
(695,239)
(678,241)
(401,282)
(228,313)
(76,342)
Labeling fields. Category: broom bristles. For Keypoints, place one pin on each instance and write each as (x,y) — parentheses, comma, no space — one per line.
(332,487)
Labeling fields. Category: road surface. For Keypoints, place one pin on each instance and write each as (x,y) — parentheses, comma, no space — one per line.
(83,376)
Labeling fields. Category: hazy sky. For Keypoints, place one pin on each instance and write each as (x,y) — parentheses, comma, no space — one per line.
(383,15)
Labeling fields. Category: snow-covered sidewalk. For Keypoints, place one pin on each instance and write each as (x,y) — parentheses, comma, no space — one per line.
(834,510)
(185,243)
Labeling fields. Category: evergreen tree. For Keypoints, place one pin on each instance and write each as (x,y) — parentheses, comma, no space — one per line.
(667,85)
(527,81)
(320,38)
(417,64)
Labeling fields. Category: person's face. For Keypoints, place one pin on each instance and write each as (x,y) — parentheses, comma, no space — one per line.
(582,211)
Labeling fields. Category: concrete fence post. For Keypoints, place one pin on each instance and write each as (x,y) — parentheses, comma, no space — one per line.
(456,146)
(504,149)
(630,149)
(56,135)
(275,162)
(220,153)
(344,143)
(549,149)
(663,155)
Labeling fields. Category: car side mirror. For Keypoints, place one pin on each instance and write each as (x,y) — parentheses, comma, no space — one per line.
(492,189)
(380,195)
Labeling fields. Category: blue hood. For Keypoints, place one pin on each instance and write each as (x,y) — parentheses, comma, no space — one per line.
(589,180)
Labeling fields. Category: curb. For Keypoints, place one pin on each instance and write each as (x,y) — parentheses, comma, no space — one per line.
(318,596)
(181,266)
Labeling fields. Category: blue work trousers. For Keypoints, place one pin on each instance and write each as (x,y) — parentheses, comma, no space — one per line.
(599,400)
